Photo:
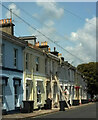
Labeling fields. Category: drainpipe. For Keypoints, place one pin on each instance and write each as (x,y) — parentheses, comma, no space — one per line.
(33,85)
(51,85)
(24,75)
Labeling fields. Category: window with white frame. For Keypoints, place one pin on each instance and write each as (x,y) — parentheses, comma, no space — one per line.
(16,94)
(15,57)
(37,63)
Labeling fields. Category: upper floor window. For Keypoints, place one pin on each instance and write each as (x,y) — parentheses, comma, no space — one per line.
(27,61)
(46,66)
(73,76)
(2,54)
(15,57)
(53,67)
(37,63)
(69,74)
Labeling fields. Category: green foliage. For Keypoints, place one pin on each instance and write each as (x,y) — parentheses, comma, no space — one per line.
(90,71)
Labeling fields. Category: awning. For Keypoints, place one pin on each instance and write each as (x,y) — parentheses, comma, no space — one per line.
(77,87)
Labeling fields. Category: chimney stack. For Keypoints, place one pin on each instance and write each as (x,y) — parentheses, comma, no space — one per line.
(7,26)
(55,52)
(44,46)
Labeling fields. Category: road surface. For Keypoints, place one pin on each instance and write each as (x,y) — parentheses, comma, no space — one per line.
(86,111)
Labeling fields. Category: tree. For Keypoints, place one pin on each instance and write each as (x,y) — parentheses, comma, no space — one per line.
(90,72)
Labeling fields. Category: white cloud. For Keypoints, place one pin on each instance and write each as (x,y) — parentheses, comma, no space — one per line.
(14,10)
(74,36)
(49,13)
(85,39)
(49,23)
(50,10)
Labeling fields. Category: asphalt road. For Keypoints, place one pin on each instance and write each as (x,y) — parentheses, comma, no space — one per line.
(87,111)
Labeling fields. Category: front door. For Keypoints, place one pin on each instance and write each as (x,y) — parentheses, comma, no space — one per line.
(16,95)
(27,92)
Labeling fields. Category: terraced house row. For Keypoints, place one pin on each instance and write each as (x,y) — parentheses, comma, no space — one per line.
(28,71)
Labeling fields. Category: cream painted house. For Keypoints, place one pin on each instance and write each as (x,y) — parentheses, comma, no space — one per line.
(40,67)
(52,87)
(51,68)
(34,74)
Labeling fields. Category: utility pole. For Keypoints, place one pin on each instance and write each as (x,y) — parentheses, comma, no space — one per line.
(11,13)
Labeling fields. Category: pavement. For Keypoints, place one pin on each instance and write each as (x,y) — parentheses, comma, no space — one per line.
(37,113)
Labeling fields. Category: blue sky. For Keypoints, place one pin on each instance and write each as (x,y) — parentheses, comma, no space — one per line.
(70,24)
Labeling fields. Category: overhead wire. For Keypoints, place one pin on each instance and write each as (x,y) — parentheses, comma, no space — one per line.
(29,15)
(77,16)
(43,34)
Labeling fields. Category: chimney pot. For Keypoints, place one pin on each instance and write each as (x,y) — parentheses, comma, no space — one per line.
(49,49)
(41,43)
(2,21)
(54,48)
(38,43)
(7,20)
(44,43)
(10,20)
